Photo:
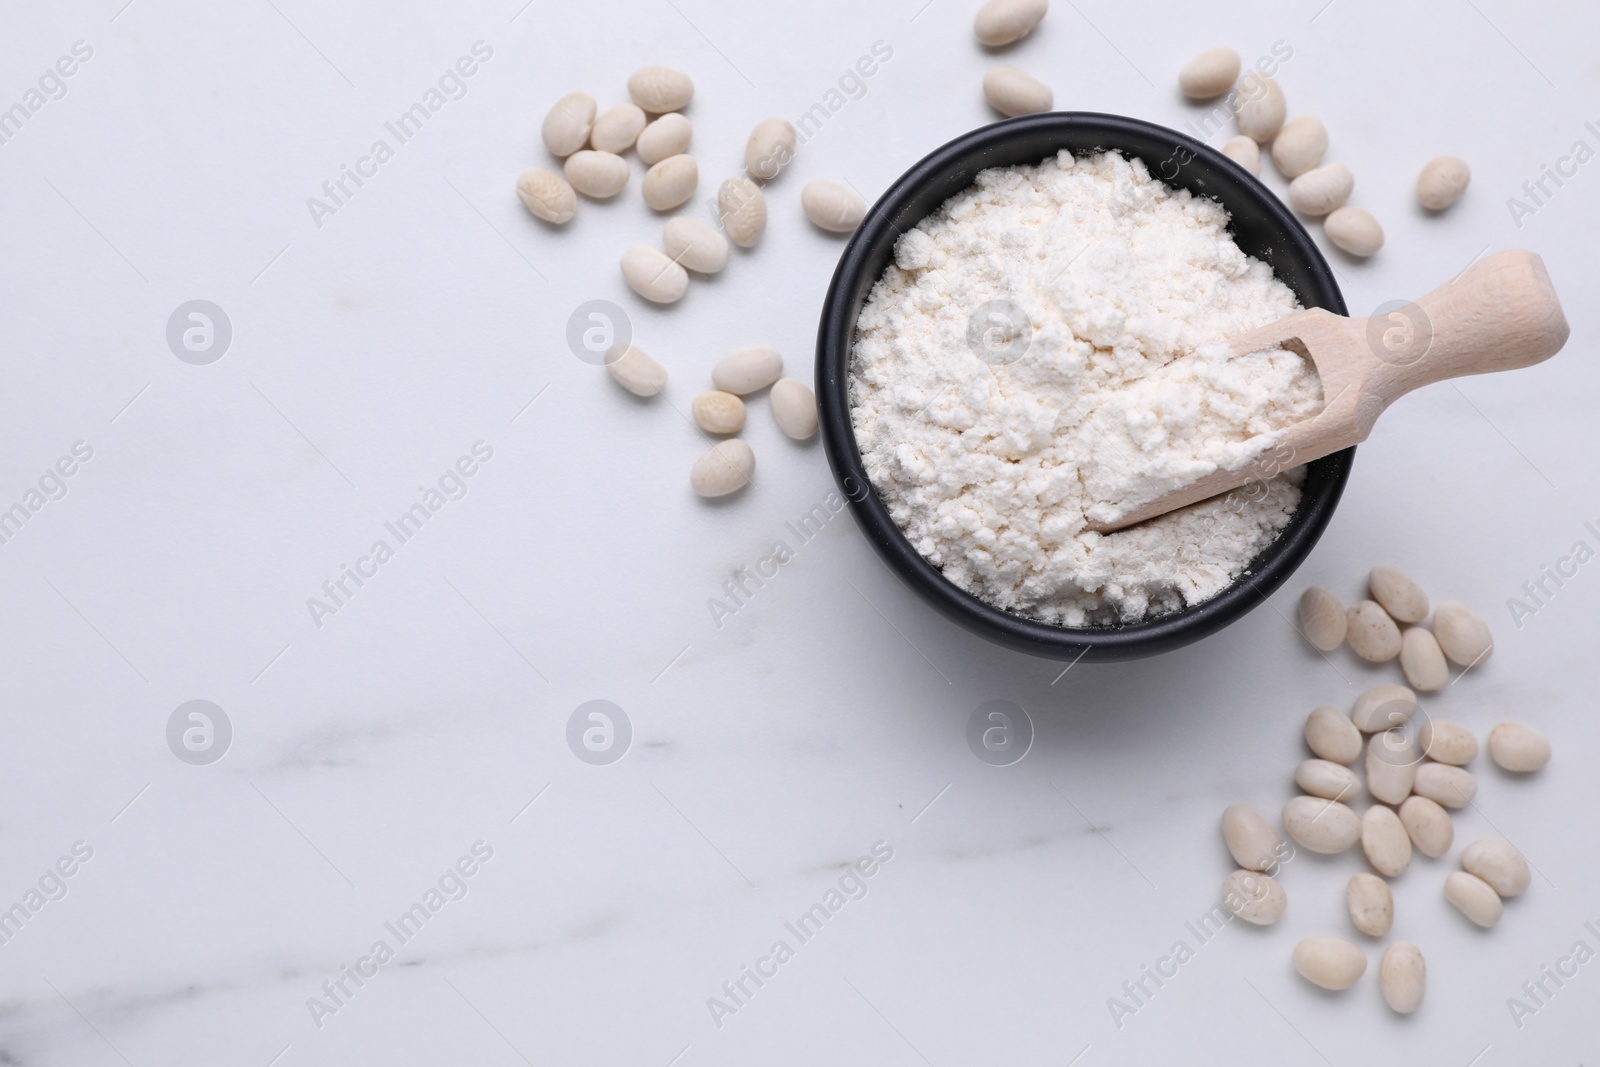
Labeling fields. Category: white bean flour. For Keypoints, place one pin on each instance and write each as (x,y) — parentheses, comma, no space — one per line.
(992,466)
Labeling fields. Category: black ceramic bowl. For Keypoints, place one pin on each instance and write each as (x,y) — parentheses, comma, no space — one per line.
(1262,226)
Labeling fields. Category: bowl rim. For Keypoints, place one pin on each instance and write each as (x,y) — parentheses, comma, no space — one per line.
(835,341)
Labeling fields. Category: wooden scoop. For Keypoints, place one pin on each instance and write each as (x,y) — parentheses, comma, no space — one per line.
(1499,314)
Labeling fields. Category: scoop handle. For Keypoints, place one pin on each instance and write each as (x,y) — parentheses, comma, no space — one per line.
(1501,313)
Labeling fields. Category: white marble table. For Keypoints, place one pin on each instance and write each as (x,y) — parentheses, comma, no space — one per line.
(406,744)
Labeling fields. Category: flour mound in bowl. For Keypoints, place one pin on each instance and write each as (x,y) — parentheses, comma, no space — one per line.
(993,447)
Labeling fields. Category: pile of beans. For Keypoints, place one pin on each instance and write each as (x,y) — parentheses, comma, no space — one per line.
(593,148)
(1415,774)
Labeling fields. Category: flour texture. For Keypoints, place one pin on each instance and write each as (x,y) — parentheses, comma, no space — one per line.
(993,446)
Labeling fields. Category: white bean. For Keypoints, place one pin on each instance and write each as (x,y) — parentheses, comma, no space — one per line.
(665,137)
(1324,778)
(1422,661)
(1402,975)
(1321,189)
(1325,826)
(670,182)
(1322,617)
(718,412)
(1355,230)
(794,407)
(1371,903)
(695,245)
(1261,108)
(1254,897)
(746,370)
(1498,863)
(1476,898)
(769,149)
(1385,841)
(1391,766)
(834,207)
(1245,152)
(1401,597)
(1299,146)
(1443,784)
(1518,747)
(1428,825)
(659,89)
(1372,634)
(1014,92)
(743,209)
(1463,636)
(635,371)
(1447,742)
(725,469)
(1330,962)
(1209,74)
(1332,736)
(546,195)
(999,22)
(1251,840)
(596,174)
(1383,707)
(567,124)
(617,128)
(1442,182)
(652,274)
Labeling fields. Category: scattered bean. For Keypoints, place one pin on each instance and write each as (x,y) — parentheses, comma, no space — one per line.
(1447,742)
(743,209)
(1385,841)
(1371,903)
(1355,230)
(1209,74)
(1326,779)
(1498,863)
(1476,899)
(1517,747)
(747,369)
(1325,826)
(725,469)
(1401,597)
(1442,182)
(1391,766)
(1443,784)
(665,137)
(659,89)
(1254,897)
(769,149)
(567,124)
(1014,92)
(1245,152)
(670,182)
(1329,962)
(1383,707)
(635,371)
(1251,840)
(653,275)
(596,174)
(1262,108)
(834,207)
(695,245)
(999,22)
(1463,636)
(1321,189)
(1332,736)
(1322,617)
(1428,826)
(1299,146)
(1371,633)
(1422,661)
(1402,974)
(617,128)
(546,195)
(718,412)
(794,407)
